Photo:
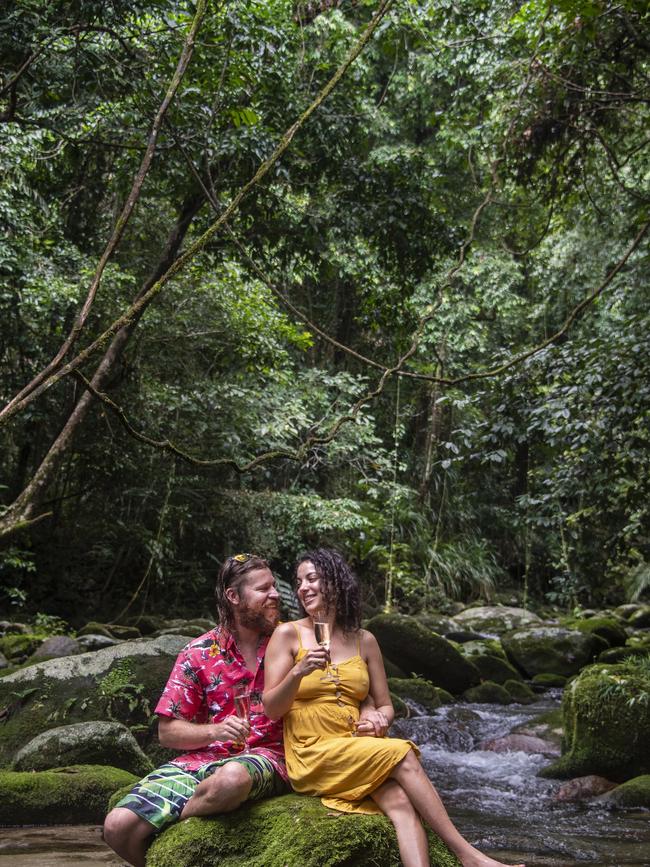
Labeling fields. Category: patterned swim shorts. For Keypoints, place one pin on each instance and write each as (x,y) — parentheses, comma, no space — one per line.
(160,797)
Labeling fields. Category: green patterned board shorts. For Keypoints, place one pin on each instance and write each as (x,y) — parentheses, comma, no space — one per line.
(160,797)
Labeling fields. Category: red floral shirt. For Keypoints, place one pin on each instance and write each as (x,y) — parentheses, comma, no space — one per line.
(200,690)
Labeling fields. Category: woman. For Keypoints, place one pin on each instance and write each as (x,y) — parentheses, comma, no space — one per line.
(329,751)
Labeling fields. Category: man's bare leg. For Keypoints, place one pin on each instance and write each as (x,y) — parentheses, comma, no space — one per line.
(128,834)
(221,792)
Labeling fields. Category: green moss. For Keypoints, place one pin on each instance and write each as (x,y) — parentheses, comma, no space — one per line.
(619,654)
(95,628)
(444,696)
(495,668)
(416,689)
(62,796)
(292,830)
(547,679)
(402,710)
(392,670)
(423,652)
(18,647)
(607,722)
(634,793)
(483,647)
(521,692)
(552,649)
(488,693)
(605,627)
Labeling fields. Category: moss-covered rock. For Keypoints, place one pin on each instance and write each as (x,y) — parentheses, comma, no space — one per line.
(484,647)
(548,680)
(619,654)
(606,713)
(641,618)
(436,622)
(520,692)
(17,648)
(495,619)
(444,696)
(633,793)
(73,795)
(416,689)
(551,649)
(605,627)
(548,726)
(93,627)
(391,669)
(423,652)
(495,668)
(488,693)
(87,743)
(122,682)
(291,830)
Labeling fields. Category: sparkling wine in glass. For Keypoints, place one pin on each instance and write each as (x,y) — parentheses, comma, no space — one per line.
(242,699)
(322,634)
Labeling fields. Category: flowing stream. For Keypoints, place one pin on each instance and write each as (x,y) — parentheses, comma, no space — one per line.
(496,800)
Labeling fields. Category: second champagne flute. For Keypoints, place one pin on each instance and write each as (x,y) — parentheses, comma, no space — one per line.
(242,699)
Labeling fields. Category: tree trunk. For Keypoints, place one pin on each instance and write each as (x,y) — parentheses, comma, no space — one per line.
(22,511)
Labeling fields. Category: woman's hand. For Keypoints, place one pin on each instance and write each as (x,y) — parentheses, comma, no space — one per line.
(232,728)
(317,658)
(372,723)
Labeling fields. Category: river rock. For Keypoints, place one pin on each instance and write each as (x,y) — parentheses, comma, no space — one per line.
(95,628)
(605,627)
(618,654)
(91,641)
(417,690)
(495,619)
(87,743)
(520,692)
(488,693)
(3,661)
(421,651)
(74,795)
(641,618)
(436,622)
(56,646)
(548,726)
(8,627)
(633,793)
(123,682)
(583,787)
(548,680)
(484,647)
(626,611)
(17,647)
(291,830)
(551,649)
(607,727)
(495,668)
(520,743)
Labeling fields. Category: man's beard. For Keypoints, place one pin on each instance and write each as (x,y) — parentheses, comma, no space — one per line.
(261,620)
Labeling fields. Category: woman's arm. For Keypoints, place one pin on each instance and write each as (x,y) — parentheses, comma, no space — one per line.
(378,685)
(282,674)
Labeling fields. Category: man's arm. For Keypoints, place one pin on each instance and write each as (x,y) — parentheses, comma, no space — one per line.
(179,734)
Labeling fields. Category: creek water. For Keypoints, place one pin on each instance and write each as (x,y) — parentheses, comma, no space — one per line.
(496,799)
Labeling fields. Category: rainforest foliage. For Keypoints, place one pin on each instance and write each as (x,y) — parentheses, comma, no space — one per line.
(422,336)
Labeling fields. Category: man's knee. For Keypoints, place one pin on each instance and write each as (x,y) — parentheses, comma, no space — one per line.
(231,782)
(122,823)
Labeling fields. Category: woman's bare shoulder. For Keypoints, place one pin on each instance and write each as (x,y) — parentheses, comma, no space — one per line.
(367,640)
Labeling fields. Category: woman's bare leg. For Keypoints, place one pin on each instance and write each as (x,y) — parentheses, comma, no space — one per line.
(425,799)
(411,836)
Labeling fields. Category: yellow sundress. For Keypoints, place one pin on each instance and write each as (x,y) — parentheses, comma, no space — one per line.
(323,755)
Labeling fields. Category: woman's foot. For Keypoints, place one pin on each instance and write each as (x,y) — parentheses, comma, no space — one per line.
(478,859)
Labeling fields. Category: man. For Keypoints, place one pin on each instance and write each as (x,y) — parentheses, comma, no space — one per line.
(196,714)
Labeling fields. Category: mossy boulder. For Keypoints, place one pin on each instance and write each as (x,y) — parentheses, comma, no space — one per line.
(605,627)
(520,692)
(606,713)
(551,649)
(422,652)
(641,618)
(87,743)
(123,683)
(18,647)
(291,830)
(484,647)
(633,793)
(73,795)
(93,627)
(495,619)
(548,726)
(548,680)
(391,669)
(619,654)
(495,668)
(436,622)
(416,689)
(488,693)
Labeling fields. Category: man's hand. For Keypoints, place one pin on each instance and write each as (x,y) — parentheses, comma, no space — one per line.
(372,723)
(231,729)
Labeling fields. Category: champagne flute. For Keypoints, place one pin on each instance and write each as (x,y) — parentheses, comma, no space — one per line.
(242,699)
(322,635)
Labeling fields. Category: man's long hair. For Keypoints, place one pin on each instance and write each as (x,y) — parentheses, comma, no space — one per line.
(232,574)
(339,586)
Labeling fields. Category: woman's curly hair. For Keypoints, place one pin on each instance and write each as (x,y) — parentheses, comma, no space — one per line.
(339,585)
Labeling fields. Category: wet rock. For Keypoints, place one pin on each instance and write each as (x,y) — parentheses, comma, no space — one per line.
(626,611)
(423,652)
(436,622)
(95,628)
(633,793)
(495,668)
(495,619)
(520,743)
(548,726)
(391,669)
(291,830)
(551,649)
(606,628)
(417,690)
(17,647)
(123,682)
(96,642)
(583,787)
(641,618)
(548,680)
(56,646)
(488,693)
(463,637)
(77,794)
(618,654)
(607,728)
(484,647)
(7,627)
(87,743)
(125,633)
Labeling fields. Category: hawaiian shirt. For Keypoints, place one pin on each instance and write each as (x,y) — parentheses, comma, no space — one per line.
(200,690)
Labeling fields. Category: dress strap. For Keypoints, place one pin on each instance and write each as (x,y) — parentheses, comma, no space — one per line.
(295,626)
(359,643)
